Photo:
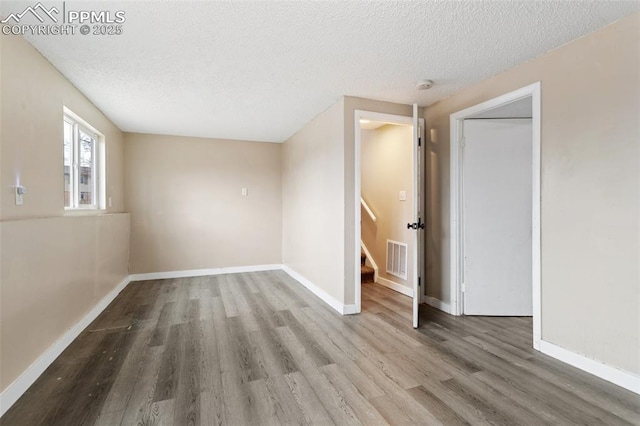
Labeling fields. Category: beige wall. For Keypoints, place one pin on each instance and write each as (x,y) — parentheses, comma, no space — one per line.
(386,169)
(313,201)
(54,271)
(187,210)
(590,190)
(53,268)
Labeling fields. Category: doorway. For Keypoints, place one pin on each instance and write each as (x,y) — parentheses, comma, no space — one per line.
(389,220)
(495,207)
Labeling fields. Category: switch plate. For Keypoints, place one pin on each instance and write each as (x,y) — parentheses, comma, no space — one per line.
(109,201)
(402,195)
(245,192)
(20,191)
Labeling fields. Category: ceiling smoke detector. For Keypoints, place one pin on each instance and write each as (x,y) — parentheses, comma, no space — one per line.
(424,84)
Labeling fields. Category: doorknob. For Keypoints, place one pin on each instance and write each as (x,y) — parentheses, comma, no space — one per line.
(416,225)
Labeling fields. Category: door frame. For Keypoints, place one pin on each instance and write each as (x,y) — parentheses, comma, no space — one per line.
(456,174)
(393,119)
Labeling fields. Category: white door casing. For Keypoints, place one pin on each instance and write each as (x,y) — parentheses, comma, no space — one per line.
(416,254)
(532,91)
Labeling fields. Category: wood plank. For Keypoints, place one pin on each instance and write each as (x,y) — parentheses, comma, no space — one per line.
(186,408)
(310,406)
(169,369)
(141,408)
(439,409)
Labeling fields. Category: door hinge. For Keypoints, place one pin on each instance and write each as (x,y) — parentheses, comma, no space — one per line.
(419,281)
(419,142)
(463,287)
(462,142)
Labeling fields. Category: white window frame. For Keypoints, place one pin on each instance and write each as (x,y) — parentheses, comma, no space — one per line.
(98,172)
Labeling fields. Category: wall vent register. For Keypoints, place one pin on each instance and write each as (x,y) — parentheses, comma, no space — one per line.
(397,259)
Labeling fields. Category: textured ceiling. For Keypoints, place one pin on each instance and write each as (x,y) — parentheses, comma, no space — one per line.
(261,70)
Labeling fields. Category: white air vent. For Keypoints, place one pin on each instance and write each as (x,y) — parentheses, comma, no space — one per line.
(397,259)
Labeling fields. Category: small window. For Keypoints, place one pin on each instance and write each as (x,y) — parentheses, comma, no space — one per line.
(81,164)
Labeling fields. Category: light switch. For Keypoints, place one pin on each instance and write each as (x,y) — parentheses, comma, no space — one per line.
(402,196)
(20,191)
(245,192)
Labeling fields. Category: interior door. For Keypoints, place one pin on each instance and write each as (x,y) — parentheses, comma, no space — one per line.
(497,197)
(418,224)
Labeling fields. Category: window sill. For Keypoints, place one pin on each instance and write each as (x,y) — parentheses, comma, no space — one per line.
(84,212)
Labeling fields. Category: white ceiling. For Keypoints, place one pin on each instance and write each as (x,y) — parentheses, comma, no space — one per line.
(261,70)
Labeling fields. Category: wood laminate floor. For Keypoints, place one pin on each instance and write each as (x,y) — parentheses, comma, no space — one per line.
(258,348)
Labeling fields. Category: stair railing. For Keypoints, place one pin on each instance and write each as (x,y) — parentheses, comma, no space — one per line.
(367,209)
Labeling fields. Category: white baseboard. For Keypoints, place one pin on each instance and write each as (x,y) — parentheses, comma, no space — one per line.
(19,386)
(349,310)
(438,304)
(326,297)
(621,378)
(203,272)
(395,286)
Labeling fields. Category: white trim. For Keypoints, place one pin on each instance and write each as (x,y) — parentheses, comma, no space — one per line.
(374,116)
(407,291)
(456,172)
(417,213)
(98,169)
(326,297)
(374,265)
(364,204)
(19,386)
(438,304)
(536,229)
(611,374)
(349,309)
(203,272)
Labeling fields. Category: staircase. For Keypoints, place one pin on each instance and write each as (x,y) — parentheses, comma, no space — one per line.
(366,272)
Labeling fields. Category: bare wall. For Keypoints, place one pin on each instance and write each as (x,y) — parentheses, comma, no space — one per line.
(187,209)
(313,201)
(54,268)
(590,190)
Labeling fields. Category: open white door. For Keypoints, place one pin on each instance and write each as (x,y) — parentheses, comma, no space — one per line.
(414,240)
(418,224)
(497,217)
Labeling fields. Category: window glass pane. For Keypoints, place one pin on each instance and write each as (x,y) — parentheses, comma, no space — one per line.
(86,168)
(68,163)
